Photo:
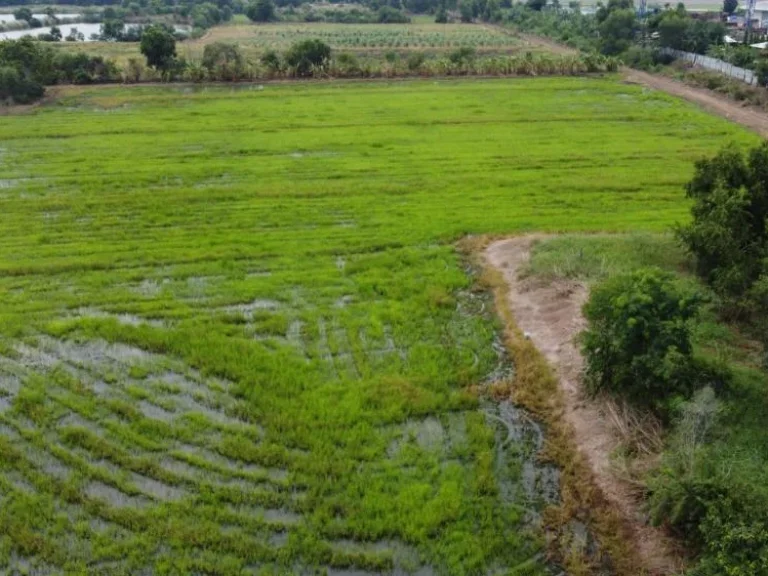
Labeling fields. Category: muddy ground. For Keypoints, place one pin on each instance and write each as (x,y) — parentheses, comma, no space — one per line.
(550,315)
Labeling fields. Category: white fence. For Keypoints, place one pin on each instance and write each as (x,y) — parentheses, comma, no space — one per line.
(742,74)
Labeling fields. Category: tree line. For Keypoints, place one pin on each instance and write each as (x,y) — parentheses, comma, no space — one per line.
(27,66)
(617,29)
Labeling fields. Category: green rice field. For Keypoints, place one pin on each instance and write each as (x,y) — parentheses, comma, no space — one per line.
(237,336)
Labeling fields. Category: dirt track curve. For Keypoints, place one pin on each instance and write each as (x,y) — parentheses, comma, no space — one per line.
(712,102)
(550,314)
(716,104)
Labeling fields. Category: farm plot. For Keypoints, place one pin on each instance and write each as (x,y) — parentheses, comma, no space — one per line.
(237,337)
(361,39)
(371,36)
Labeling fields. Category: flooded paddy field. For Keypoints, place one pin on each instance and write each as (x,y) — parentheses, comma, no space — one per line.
(237,336)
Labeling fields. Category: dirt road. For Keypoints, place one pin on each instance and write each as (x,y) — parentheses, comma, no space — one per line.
(716,104)
(550,315)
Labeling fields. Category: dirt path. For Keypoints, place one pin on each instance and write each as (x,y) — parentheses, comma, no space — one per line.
(710,101)
(714,103)
(551,316)
(546,43)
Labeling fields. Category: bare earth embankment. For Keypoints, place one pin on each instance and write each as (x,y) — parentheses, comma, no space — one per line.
(550,315)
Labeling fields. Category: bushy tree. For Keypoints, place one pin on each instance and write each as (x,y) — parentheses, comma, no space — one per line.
(23,13)
(389,15)
(701,34)
(715,507)
(637,342)
(462,55)
(303,57)
(442,16)
(112,30)
(26,67)
(465,9)
(158,46)
(16,88)
(617,31)
(419,6)
(223,61)
(261,11)
(730,6)
(672,31)
(536,5)
(271,60)
(727,236)
(606,10)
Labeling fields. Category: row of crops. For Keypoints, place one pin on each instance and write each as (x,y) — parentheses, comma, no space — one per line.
(383,36)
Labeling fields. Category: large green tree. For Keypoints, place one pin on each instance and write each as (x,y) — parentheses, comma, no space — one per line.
(728,234)
(158,46)
(23,13)
(261,11)
(304,57)
(617,31)
(672,32)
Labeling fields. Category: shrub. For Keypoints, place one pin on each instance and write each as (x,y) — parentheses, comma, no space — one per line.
(223,61)
(347,64)
(261,11)
(25,67)
(389,15)
(462,55)
(646,58)
(271,60)
(79,68)
(761,70)
(303,57)
(638,338)
(415,60)
(708,495)
(735,534)
(158,45)
(15,88)
(134,70)
(685,482)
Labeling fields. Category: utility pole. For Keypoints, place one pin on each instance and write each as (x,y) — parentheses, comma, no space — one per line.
(643,22)
(748,28)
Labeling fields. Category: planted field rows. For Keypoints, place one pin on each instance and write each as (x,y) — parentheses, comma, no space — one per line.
(370,36)
(362,39)
(237,336)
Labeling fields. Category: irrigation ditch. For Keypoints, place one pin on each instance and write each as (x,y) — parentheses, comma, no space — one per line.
(532,469)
